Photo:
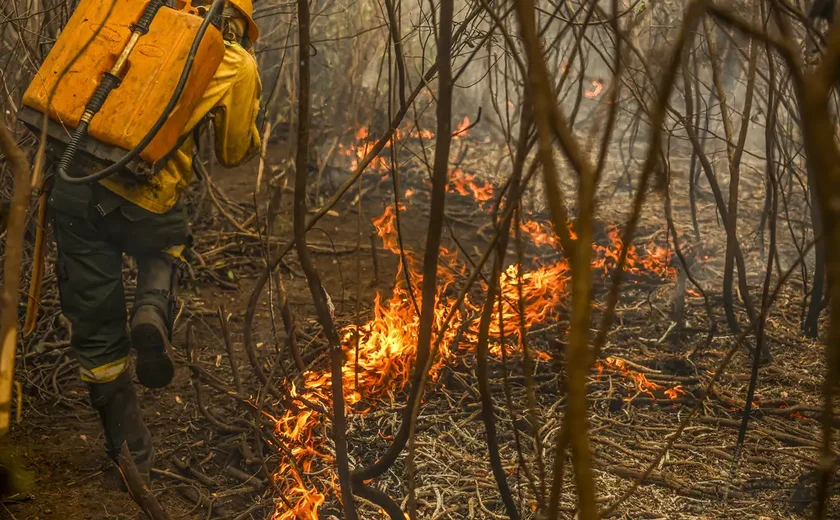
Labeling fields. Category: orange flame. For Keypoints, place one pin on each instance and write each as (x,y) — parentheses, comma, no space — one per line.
(674,393)
(463,126)
(465,184)
(640,381)
(597,87)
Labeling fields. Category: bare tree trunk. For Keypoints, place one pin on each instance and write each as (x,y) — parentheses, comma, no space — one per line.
(734,153)
(488,411)
(319,296)
(811,325)
(813,93)
(440,174)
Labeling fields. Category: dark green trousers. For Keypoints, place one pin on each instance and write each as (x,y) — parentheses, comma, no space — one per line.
(93,228)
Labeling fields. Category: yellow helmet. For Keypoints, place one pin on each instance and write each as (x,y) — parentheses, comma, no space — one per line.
(246,7)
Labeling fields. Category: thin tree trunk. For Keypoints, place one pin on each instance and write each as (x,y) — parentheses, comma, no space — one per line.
(815,306)
(440,176)
(488,412)
(319,296)
(734,153)
(550,122)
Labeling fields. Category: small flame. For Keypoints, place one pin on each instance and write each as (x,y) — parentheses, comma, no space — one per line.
(465,184)
(641,382)
(674,393)
(597,87)
(540,234)
(461,131)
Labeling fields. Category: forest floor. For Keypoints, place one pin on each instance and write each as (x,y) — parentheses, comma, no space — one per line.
(639,392)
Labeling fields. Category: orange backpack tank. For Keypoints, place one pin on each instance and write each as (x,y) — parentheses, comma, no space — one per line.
(151,75)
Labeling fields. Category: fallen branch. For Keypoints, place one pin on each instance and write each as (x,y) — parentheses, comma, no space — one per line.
(138,489)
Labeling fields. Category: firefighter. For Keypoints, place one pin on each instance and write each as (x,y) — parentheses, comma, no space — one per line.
(96,223)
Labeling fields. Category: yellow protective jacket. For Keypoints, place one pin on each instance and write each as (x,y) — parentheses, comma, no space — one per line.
(233,98)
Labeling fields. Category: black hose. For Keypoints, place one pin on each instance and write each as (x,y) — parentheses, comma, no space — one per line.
(109,83)
(149,14)
(81,130)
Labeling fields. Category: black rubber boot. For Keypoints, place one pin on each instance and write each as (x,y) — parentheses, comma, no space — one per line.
(122,422)
(151,320)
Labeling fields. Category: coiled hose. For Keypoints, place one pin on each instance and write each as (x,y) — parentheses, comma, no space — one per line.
(111,81)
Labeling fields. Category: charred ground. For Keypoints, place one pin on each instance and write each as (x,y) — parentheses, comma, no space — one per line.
(655,370)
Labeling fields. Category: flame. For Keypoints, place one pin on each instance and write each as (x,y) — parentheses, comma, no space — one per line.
(674,393)
(640,381)
(358,151)
(364,144)
(540,234)
(597,87)
(465,184)
(387,342)
(655,260)
(463,126)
